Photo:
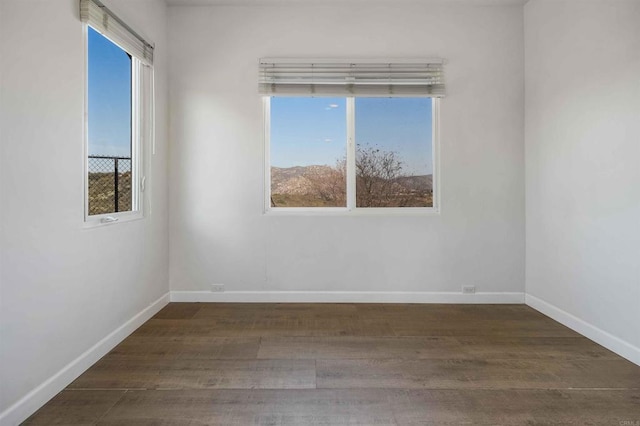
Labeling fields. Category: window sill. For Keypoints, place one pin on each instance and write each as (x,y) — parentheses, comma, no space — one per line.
(333,211)
(99,221)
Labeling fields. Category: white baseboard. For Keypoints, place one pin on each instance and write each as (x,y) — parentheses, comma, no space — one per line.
(344,297)
(39,396)
(609,341)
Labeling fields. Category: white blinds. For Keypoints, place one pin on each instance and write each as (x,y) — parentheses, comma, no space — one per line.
(288,77)
(94,13)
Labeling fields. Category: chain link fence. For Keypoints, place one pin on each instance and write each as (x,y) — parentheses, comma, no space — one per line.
(110,189)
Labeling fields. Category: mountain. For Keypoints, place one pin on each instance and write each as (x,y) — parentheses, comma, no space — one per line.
(298,179)
(416,183)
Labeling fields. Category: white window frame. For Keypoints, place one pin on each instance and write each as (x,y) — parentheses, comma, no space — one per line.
(351,209)
(141,123)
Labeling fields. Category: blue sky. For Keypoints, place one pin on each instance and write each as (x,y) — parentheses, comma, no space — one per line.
(307,131)
(109,97)
(304,131)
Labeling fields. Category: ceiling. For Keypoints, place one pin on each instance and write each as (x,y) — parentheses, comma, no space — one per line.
(319,2)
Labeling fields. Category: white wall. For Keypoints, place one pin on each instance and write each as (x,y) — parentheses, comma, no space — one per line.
(64,288)
(217,230)
(583,166)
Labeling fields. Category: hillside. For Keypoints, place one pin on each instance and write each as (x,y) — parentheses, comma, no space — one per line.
(102,193)
(297,180)
(324,186)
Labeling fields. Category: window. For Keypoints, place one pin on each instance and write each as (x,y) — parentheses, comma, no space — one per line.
(345,137)
(311,155)
(394,152)
(308,152)
(110,160)
(119,116)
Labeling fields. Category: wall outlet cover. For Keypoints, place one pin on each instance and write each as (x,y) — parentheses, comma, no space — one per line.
(217,288)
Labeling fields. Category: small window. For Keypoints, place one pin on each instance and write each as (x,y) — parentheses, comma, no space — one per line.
(350,153)
(111,162)
(119,115)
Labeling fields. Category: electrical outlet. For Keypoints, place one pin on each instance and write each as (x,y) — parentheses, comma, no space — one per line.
(217,288)
(468,289)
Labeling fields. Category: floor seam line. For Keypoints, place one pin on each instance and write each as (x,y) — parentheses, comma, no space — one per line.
(111,408)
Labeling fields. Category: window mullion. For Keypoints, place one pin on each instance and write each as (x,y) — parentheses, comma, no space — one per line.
(351,154)
(267,152)
(435,153)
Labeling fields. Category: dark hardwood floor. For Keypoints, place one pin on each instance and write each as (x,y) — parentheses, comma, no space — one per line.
(348,364)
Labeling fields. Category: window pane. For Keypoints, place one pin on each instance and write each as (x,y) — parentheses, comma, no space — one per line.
(394,156)
(109,122)
(308,152)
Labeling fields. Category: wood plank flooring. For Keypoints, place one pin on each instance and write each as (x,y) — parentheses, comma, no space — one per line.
(351,364)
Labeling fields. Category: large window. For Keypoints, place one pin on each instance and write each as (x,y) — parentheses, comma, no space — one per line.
(350,153)
(118,115)
(347,136)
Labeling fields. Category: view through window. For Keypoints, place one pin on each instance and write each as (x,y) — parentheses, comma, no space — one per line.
(308,152)
(392,154)
(110,160)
